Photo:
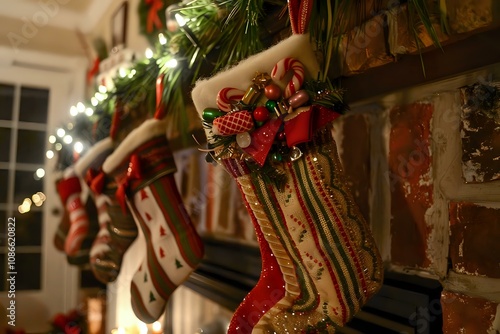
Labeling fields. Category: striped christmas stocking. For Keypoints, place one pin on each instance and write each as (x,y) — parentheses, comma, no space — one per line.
(323,247)
(80,234)
(143,167)
(107,251)
(281,153)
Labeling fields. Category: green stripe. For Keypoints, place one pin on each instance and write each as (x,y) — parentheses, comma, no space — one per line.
(352,215)
(301,170)
(307,299)
(177,225)
(138,306)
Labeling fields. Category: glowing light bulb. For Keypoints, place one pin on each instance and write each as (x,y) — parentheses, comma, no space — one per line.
(49,154)
(89,112)
(68,139)
(156,327)
(58,146)
(94,101)
(143,328)
(162,39)
(122,72)
(172,63)
(78,147)
(40,173)
(60,132)
(149,53)
(73,111)
(52,139)
(180,20)
(80,106)
(103,89)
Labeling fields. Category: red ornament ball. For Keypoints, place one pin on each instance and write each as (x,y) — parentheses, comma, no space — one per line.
(261,114)
(272,92)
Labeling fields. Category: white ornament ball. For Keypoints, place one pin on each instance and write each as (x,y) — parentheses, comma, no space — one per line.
(243,139)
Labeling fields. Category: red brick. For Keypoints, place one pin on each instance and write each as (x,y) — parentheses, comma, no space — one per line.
(355,157)
(411,183)
(465,314)
(474,239)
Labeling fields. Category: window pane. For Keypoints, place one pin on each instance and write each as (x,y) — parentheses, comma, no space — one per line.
(28,268)
(31,147)
(29,229)
(34,105)
(25,186)
(4,178)
(6,101)
(4,144)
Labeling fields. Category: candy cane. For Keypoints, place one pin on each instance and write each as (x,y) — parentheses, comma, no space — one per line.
(227,96)
(285,65)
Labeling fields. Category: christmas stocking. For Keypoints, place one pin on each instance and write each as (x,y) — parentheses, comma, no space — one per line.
(79,236)
(62,227)
(275,140)
(143,168)
(106,252)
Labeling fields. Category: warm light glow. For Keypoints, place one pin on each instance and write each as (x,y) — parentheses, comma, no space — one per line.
(42,195)
(132,73)
(40,172)
(156,327)
(69,126)
(100,97)
(122,72)
(49,154)
(172,63)
(121,330)
(143,328)
(60,132)
(80,106)
(103,89)
(58,146)
(162,39)
(52,139)
(73,111)
(149,53)
(94,101)
(180,20)
(68,139)
(25,207)
(78,147)
(36,198)
(89,112)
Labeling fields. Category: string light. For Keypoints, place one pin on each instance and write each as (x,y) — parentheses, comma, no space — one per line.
(172,63)
(103,89)
(122,72)
(78,147)
(52,139)
(73,111)
(40,173)
(58,146)
(162,39)
(68,139)
(80,106)
(180,20)
(49,154)
(94,101)
(89,112)
(149,53)
(60,132)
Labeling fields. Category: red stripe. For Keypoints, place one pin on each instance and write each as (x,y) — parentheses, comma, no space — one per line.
(340,224)
(316,240)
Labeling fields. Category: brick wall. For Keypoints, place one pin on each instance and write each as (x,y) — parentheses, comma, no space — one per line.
(423,165)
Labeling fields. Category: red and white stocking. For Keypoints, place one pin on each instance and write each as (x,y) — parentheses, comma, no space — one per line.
(143,167)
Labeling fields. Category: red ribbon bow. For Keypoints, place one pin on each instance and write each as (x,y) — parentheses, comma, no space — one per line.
(153,18)
(133,173)
(95,180)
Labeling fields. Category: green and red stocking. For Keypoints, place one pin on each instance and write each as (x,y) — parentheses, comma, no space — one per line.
(143,168)
(287,168)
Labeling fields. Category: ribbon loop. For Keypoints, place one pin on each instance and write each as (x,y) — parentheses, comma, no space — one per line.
(153,18)
(133,173)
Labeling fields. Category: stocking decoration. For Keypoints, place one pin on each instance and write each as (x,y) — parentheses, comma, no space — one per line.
(106,253)
(309,229)
(143,168)
(62,227)
(81,231)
